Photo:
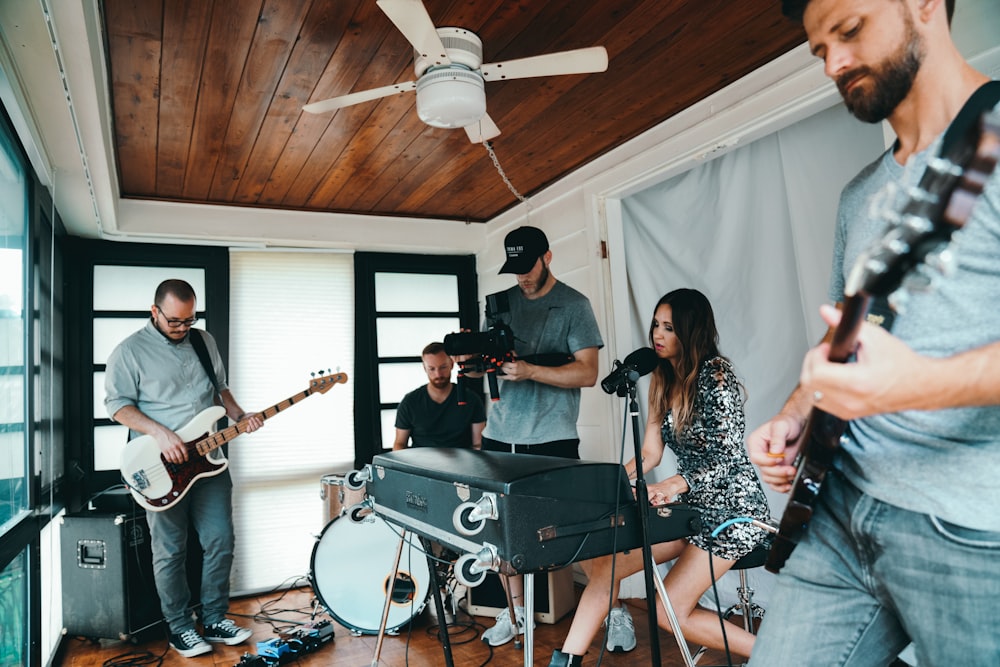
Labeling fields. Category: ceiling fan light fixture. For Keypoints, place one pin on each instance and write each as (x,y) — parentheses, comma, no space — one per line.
(451,97)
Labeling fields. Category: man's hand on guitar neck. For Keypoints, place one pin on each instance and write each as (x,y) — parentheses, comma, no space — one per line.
(886,376)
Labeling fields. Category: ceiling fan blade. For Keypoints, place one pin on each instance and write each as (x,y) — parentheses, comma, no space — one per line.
(358,97)
(578,61)
(411,18)
(482,130)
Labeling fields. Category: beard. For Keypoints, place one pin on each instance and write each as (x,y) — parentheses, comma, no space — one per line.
(440,383)
(543,278)
(891,80)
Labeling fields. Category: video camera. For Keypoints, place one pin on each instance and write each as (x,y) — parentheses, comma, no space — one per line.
(490,349)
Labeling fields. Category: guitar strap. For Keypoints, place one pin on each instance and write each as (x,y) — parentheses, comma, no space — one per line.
(957,139)
(198,343)
(964,125)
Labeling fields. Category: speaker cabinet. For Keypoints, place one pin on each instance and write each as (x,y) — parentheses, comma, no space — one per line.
(554,596)
(107,576)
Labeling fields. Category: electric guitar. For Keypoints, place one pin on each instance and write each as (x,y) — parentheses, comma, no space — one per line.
(157,484)
(923,226)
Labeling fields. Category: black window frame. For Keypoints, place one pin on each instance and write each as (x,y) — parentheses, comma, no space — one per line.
(368,436)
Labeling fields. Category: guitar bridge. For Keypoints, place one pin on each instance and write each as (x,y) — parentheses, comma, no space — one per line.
(139,480)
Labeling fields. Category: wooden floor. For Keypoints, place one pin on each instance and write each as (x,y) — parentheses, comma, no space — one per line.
(416,644)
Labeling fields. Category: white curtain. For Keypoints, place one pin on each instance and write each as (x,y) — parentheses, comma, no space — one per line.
(292,315)
(752,230)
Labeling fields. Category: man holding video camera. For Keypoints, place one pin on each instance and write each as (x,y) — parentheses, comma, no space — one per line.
(539,404)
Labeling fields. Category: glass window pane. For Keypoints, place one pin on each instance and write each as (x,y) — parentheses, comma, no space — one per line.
(396,380)
(411,292)
(388,428)
(407,336)
(12,397)
(14,611)
(109,441)
(99,410)
(14,417)
(108,332)
(133,287)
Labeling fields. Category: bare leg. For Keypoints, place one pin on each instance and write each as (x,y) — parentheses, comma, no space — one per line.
(593,606)
(686,582)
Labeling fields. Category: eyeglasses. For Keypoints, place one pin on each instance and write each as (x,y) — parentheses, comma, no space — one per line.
(175,323)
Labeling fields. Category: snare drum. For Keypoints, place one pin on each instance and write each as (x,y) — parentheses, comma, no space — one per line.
(350,570)
(337,496)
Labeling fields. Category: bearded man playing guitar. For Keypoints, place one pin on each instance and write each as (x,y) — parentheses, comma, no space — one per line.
(155,383)
(902,543)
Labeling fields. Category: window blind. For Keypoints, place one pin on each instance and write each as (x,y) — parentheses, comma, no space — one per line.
(291,315)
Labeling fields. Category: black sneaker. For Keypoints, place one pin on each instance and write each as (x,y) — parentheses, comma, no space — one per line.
(189,643)
(227,632)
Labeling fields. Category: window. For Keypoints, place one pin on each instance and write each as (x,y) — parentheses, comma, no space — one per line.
(122,299)
(404,302)
(14,470)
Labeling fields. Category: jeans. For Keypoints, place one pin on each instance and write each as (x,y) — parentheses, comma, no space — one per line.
(207,508)
(869,577)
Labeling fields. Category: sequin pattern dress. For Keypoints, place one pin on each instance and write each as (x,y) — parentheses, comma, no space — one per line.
(712,459)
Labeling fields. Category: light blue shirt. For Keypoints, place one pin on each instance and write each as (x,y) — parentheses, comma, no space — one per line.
(163,379)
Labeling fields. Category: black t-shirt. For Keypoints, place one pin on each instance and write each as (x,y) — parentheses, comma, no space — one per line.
(433,424)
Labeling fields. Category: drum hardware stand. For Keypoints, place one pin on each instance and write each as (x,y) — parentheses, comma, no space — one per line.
(438,604)
(649,566)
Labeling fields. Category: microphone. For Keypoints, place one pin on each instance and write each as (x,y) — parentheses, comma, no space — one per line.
(636,364)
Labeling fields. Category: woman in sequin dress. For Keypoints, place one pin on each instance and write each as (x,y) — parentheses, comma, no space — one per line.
(696,409)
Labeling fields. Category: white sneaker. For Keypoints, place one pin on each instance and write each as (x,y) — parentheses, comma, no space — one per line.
(503,631)
(621,630)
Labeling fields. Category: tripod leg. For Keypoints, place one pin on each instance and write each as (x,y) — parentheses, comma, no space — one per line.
(675,625)
(511,610)
(529,620)
(388,600)
(438,604)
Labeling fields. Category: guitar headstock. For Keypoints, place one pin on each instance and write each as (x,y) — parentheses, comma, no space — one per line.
(322,383)
(921,228)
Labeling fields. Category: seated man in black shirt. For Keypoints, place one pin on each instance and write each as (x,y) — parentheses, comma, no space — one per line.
(431,415)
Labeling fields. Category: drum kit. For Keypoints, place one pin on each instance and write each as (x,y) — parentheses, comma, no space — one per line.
(352,563)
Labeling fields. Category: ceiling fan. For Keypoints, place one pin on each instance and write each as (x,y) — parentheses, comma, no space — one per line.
(451,75)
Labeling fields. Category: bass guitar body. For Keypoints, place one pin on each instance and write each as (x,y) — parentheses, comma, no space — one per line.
(157,484)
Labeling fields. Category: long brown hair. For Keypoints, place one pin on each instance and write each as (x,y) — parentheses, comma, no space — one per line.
(675,388)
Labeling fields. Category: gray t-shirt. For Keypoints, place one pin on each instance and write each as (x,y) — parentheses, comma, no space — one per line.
(943,462)
(165,380)
(531,413)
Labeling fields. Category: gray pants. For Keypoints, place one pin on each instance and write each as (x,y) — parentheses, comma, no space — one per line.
(208,508)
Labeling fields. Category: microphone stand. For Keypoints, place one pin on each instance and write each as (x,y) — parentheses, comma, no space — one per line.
(653,581)
(642,500)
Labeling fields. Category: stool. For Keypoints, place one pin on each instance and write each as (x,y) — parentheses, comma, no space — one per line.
(755,558)
(750,611)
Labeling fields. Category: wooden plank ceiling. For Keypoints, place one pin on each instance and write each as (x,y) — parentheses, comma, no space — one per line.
(207,96)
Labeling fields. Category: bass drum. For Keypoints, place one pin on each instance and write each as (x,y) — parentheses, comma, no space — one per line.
(350,571)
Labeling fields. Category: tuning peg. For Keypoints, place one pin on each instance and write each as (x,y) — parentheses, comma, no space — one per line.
(899,300)
(942,260)
(884,204)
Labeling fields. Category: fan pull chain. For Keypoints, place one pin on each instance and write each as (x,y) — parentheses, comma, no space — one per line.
(503,175)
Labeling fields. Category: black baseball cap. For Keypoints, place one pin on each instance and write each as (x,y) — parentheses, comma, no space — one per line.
(523,246)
